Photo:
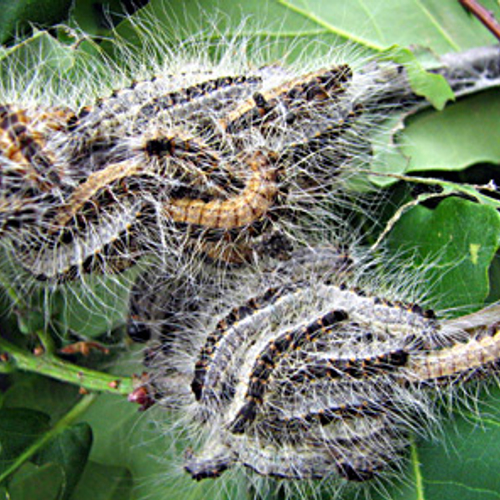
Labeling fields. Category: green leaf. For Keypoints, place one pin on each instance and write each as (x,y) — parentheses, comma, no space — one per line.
(69,450)
(40,393)
(94,306)
(464,134)
(36,483)
(17,16)
(40,47)
(19,428)
(443,26)
(104,482)
(95,18)
(88,308)
(433,87)
(44,67)
(124,439)
(462,237)
(21,443)
(141,443)
(466,464)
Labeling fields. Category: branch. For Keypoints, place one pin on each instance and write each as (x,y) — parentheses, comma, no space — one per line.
(51,366)
(484,15)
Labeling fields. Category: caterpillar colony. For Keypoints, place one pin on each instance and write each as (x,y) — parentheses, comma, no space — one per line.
(229,177)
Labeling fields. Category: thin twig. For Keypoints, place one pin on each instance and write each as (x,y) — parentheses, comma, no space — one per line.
(449,187)
(483,14)
(403,209)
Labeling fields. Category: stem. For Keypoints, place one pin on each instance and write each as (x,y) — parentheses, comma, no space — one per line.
(483,14)
(60,426)
(51,366)
(47,342)
(419,484)
(449,186)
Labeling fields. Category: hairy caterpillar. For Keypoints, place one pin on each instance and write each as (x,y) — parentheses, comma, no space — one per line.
(314,376)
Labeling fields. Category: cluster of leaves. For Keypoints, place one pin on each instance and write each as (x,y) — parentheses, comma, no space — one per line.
(56,444)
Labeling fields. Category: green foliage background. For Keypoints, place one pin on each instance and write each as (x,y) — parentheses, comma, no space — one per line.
(109,450)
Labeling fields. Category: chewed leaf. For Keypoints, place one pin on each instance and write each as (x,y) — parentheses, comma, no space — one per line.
(429,85)
(56,56)
(463,237)
(463,134)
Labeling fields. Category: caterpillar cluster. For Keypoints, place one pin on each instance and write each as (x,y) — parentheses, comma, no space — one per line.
(222,160)
(306,372)
(215,163)
(311,374)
